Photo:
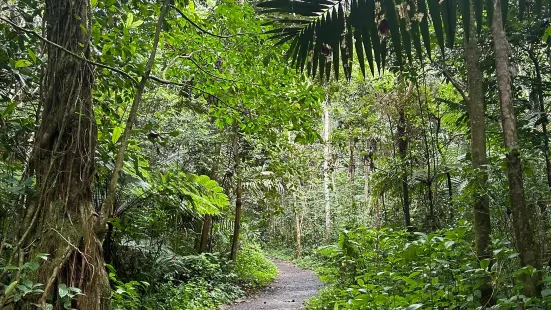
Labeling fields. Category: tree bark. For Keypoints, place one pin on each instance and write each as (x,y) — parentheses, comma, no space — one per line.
(60,218)
(207,222)
(298,226)
(479,160)
(238,198)
(402,151)
(542,117)
(524,235)
(326,166)
(367,173)
(352,171)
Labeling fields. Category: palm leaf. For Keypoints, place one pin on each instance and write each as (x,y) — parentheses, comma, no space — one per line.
(394,25)
(424,24)
(449,16)
(466,17)
(490,12)
(435,13)
(478,8)
(415,32)
(521,8)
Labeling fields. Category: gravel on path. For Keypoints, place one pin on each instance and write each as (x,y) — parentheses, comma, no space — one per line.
(288,292)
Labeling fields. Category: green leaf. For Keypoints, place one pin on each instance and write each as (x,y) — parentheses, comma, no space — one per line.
(9,109)
(117,132)
(424,25)
(32,55)
(43,256)
(22,63)
(546,292)
(62,290)
(478,12)
(10,288)
(449,14)
(414,306)
(484,264)
(129,20)
(31,265)
(136,24)
(466,16)
(434,10)
(374,32)
(394,25)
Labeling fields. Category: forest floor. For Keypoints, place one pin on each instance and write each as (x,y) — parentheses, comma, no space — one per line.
(288,292)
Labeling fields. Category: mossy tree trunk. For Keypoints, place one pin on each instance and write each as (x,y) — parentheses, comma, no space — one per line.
(59,218)
(523,230)
(479,160)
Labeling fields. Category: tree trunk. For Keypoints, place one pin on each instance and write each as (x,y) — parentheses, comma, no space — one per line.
(367,173)
(60,218)
(326,166)
(207,222)
(298,226)
(542,117)
(524,235)
(238,198)
(402,150)
(351,173)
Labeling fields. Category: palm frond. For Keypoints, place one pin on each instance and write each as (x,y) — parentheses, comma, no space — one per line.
(325,33)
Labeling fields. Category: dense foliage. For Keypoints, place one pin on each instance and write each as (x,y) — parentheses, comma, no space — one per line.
(151,151)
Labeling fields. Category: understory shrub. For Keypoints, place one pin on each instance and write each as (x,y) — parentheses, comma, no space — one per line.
(391,269)
(253,268)
(198,282)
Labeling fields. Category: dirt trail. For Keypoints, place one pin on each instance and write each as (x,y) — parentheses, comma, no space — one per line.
(287,292)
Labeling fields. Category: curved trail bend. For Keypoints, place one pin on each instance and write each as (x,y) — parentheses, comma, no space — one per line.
(288,292)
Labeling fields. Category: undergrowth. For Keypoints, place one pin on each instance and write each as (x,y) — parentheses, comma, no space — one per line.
(198,282)
(394,269)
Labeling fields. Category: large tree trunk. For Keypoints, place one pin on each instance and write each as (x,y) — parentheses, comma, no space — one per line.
(326,166)
(238,198)
(60,219)
(479,161)
(524,235)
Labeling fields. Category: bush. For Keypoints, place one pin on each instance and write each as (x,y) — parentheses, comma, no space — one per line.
(198,295)
(390,269)
(179,282)
(253,268)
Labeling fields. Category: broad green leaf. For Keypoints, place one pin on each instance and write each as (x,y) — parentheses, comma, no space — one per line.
(414,306)
(129,20)
(10,288)
(62,290)
(22,63)
(117,132)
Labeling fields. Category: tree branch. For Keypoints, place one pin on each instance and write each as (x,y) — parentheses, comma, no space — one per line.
(458,86)
(69,52)
(203,30)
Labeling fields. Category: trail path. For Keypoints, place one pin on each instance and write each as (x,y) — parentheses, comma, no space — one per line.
(287,292)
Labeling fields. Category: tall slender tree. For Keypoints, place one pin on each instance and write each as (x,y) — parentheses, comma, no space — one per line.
(524,234)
